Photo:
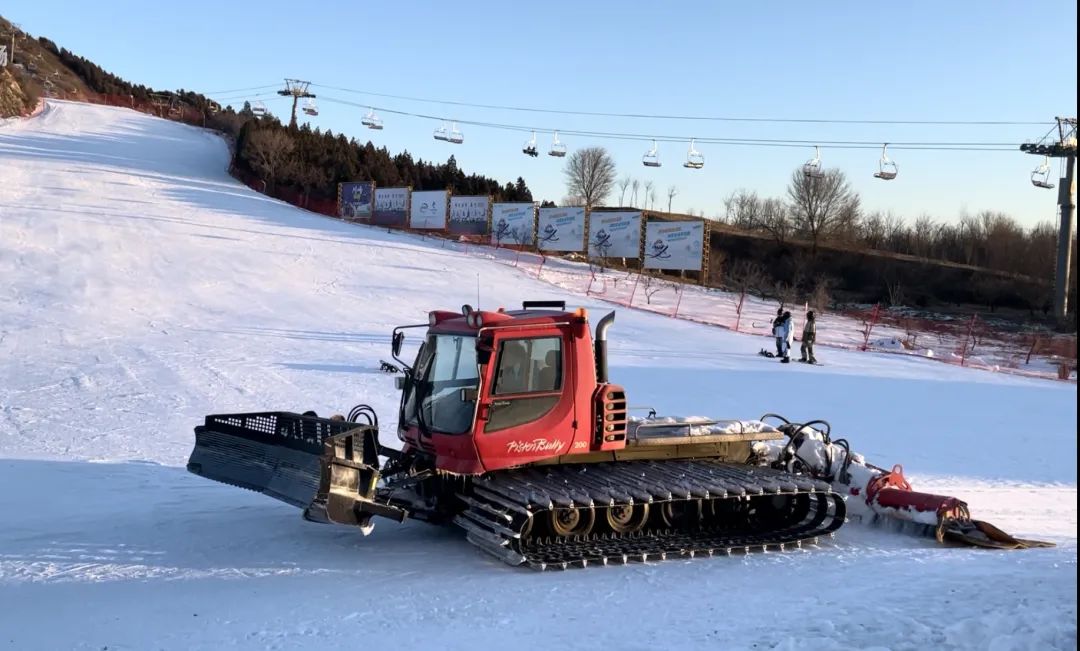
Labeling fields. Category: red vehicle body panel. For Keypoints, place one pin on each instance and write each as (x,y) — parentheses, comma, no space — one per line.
(565,428)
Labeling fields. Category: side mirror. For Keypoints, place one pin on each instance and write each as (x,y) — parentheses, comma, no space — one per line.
(469,394)
(399,383)
(484,346)
(395,342)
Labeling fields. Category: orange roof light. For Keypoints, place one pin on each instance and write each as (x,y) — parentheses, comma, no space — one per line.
(581,312)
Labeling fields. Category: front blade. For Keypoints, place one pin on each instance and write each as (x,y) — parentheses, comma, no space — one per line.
(275,453)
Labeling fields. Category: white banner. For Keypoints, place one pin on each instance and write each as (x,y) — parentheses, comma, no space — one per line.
(674,245)
(513,224)
(427,210)
(469,215)
(561,229)
(615,234)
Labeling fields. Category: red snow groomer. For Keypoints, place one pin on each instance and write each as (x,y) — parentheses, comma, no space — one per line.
(512,431)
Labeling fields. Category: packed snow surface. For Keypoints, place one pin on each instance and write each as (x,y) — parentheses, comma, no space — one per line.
(142,288)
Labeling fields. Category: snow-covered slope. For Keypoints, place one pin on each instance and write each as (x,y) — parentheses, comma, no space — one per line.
(141,288)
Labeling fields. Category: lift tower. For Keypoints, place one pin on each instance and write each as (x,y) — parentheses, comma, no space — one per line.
(296,89)
(1064,146)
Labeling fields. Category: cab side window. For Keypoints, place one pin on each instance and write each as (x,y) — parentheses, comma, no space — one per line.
(529,366)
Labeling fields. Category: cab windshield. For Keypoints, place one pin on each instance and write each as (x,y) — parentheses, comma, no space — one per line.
(445,365)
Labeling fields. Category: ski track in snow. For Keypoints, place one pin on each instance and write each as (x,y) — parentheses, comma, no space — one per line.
(142,288)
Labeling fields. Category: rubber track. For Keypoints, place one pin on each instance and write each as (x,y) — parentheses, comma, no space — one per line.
(501,507)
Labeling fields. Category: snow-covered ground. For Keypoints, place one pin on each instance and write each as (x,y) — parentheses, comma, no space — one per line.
(142,288)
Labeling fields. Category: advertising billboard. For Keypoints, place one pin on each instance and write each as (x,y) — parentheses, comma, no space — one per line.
(561,229)
(615,234)
(469,215)
(356,200)
(513,224)
(427,210)
(674,245)
(391,207)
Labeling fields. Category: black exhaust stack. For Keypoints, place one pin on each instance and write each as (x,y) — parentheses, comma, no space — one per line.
(600,346)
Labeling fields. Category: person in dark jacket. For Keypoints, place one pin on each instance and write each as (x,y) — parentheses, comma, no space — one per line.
(809,334)
(776,331)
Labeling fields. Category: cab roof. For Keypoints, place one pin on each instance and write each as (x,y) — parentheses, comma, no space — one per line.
(445,322)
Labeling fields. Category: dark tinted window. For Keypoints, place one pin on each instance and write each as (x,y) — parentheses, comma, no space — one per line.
(529,366)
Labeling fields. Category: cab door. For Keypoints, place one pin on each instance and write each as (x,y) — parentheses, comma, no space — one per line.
(526,411)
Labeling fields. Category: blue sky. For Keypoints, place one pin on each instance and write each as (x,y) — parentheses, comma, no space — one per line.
(840,60)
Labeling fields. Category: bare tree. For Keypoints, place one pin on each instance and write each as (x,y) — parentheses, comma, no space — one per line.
(268,151)
(801,269)
(624,183)
(590,174)
(784,293)
(895,289)
(819,202)
(746,276)
(819,298)
(846,227)
(652,199)
(742,209)
(651,285)
(774,218)
(873,231)
(922,235)
(648,193)
(634,186)
(969,236)
(671,192)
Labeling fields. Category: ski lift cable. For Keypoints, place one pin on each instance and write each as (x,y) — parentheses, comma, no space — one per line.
(237,90)
(268,97)
(242,96)
(831,144)
(688,117)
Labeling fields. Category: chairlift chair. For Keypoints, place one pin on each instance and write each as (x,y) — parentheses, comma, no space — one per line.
(442,134)
(651,157)
(259,109)
(887,169)
(694,159)
(374,121)
(366,120)
(1040,177)
(558,149)
(455,137)
(310,108)
(529,148)
(812,168)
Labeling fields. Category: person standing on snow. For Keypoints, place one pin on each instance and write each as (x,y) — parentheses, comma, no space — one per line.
(787,336)
(776,331)
(809,333)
